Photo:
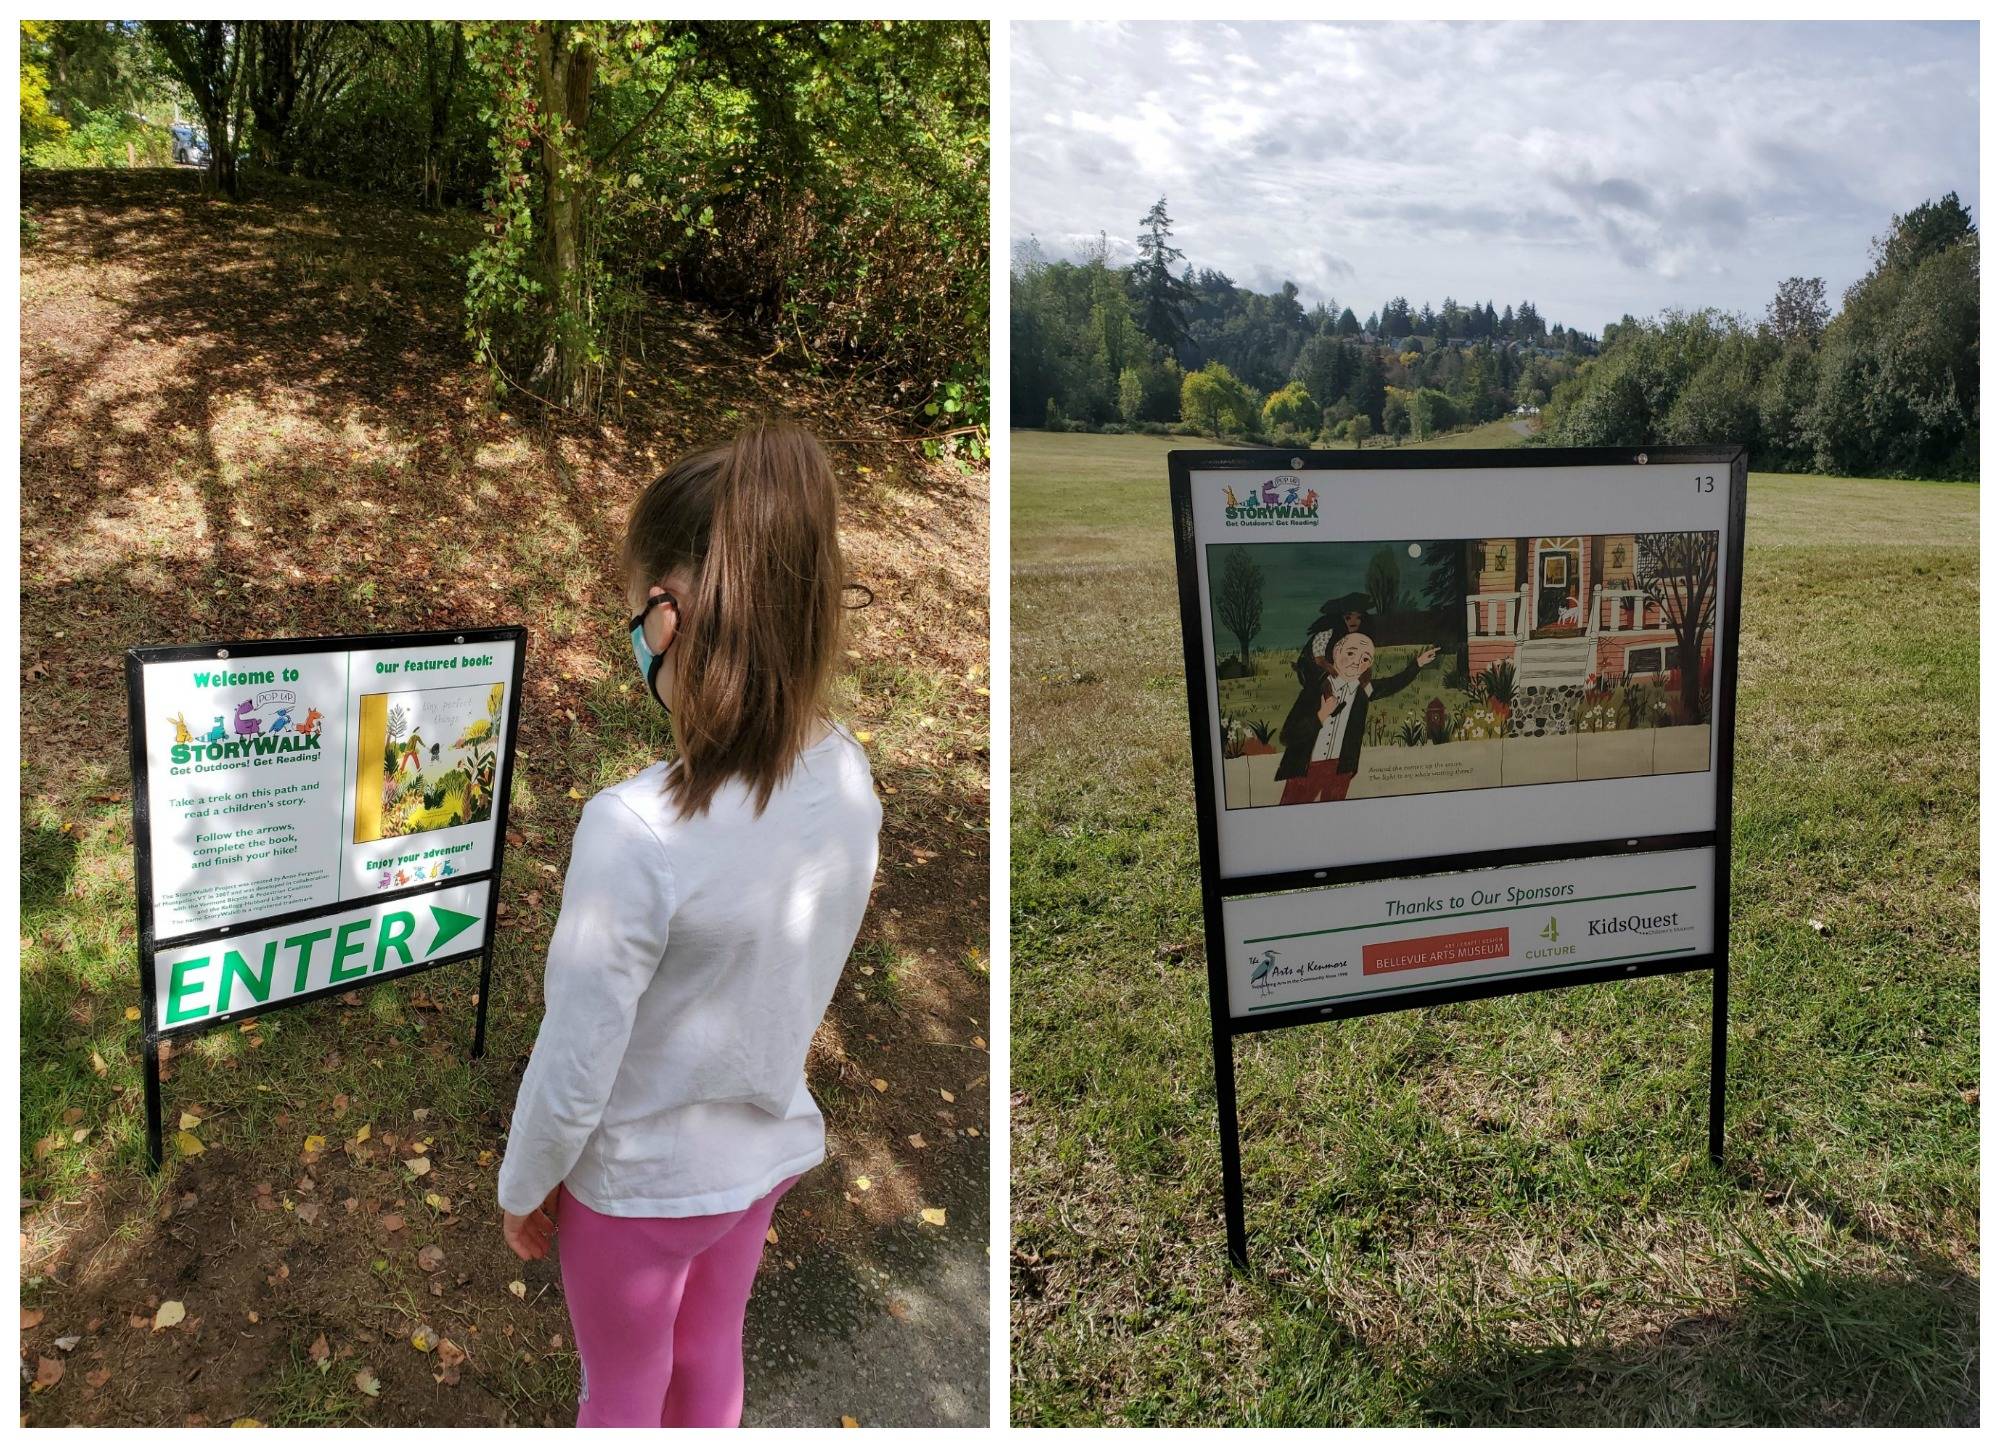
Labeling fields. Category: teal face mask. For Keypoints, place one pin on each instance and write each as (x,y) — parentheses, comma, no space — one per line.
(649,662)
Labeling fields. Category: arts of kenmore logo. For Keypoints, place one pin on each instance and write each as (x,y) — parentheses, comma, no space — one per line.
(1268,971)
(1283,500)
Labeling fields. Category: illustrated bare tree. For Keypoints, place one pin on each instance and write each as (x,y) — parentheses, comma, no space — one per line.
(1678,571)
(1241,601)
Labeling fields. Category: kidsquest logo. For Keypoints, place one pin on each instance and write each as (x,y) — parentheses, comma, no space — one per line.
(265,724)
(1284,499)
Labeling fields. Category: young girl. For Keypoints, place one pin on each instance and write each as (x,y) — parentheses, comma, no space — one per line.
(709,908)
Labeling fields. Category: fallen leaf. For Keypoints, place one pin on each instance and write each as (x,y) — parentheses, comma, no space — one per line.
(188,1144)
(573,794)
(368,1383)
(946,1094)
(308,1212)
(171,1314)
(392,1221)
(418,1165)
(918,1141)
(314,1146)
(518,1288)
(845,1421)
(879,1084)
(48,1372)
(97,1064)
(424,1338)
(247,1423)
(437,1202)
(362,1134)
(31,1317)
(72,1116)
(131,1013)
(99,1378)
(68,1344)
(319,1351)
(190,1122)
(450,1358)
(863,1183)
(899,1309)
(934,1216)
(772,1236)
(430,1258)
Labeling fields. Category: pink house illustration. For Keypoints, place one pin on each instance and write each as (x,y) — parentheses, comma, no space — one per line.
(1566,610)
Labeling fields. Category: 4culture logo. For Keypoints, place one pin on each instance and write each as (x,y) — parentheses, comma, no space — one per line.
(1283,499)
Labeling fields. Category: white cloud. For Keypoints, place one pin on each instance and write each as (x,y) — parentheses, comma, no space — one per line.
(1595,169)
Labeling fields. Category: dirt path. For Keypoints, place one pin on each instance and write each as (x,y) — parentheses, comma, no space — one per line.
(254,420)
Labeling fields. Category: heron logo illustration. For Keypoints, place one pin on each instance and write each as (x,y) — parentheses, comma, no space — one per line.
(1261,969)
(1282,498)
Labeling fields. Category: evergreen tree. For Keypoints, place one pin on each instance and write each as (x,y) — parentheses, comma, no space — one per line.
(1163,297)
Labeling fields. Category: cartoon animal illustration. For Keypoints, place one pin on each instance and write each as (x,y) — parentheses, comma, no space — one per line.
(413,753)
(435,749)
(246,722)
(1292,496)
(310,725)
(1270,494)
(1263,965)
(181,733)
(1311,498)
(444,869)
(283,722)
(217,734)
(402,877)
(1229,496)
(386,881)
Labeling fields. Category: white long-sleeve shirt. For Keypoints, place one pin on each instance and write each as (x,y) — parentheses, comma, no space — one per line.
(690,966)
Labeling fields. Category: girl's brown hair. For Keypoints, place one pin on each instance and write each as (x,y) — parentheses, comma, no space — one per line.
(756,523)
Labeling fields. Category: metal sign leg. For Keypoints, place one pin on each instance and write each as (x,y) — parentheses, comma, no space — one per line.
(1718,1060)
(485,990)
(153,1144)
(1232,1158)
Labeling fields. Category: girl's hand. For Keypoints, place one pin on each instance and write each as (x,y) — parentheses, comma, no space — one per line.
(532,1235)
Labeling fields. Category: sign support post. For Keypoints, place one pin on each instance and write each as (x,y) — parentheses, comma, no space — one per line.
(320,843)
(1551,634)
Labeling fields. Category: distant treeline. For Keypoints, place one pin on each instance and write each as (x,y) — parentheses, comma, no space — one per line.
(1154,346)
(1888,387)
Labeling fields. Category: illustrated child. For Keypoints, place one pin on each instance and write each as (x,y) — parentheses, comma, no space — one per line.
(709,909)
(1323,733)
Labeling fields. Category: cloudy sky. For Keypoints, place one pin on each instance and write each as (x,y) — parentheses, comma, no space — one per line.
(1593,169)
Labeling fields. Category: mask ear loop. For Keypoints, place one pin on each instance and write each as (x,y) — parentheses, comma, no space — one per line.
(639,622)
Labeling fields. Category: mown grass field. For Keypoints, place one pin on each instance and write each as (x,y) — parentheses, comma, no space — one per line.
(1503,1212)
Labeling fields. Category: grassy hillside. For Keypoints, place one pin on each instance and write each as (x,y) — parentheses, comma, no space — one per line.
(1503,1212)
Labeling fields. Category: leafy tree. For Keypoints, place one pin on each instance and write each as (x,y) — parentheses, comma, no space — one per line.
(208,58)
(1370,388)
(1292,408)
(1241,600)
(1798,313)
(39,124)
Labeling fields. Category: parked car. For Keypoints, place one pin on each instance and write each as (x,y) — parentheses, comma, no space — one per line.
(190,146)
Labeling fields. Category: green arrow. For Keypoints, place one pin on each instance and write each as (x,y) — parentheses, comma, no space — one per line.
(450,923)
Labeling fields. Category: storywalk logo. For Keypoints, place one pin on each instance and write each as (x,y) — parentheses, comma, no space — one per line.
(1284,499)
(266,727)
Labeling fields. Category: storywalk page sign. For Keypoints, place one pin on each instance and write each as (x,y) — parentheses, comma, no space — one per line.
(315,815)
(1462,724)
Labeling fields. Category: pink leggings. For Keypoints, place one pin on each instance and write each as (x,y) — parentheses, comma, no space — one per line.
(657,1305)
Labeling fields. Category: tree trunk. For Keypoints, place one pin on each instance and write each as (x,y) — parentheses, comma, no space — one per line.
(566,74)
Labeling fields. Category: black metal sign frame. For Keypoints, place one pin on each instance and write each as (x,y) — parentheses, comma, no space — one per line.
(1224,1028)
(136,661)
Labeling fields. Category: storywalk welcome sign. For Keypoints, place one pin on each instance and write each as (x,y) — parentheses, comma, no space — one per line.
(1462,725)
(313,816)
